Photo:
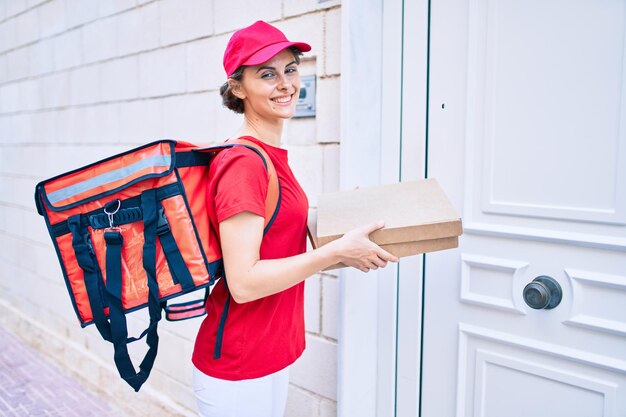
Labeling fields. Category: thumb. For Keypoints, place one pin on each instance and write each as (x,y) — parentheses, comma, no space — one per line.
(373,227)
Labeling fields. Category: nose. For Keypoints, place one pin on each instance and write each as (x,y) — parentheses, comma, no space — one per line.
(284,83)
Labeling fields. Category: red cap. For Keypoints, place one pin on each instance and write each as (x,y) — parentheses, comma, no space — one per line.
(256,44)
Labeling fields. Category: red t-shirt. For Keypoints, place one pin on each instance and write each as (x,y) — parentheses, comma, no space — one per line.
(266,335)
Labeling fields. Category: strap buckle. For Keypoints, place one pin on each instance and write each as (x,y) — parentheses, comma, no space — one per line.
(163,225)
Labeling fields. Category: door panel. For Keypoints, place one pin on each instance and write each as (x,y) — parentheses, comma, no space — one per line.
(545,115)
(527,136)
(564,383)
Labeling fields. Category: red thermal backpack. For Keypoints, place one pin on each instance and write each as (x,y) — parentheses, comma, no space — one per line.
(132,231)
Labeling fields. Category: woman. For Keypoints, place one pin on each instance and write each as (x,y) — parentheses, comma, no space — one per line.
(264,327)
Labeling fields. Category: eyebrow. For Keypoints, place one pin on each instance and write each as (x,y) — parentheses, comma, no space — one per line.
(274,68)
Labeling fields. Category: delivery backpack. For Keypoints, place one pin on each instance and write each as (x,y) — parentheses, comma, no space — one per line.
(132,231)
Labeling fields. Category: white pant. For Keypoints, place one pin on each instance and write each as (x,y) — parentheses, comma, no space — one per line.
(260,397)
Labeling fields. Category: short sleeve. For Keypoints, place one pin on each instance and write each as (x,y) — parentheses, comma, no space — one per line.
(241,183)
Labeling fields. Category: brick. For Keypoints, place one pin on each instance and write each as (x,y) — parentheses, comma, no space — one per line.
(20,65)
(33,227)
(79,129)
(33,3)
(41,57)
(119,79)
(330,307)
(205,70)
(53,127)
(316,370)
(301,403)
(78,12)
(85,85)
(48,265)
(40,164)
(181,23)
(141,121)
(187,117)
(10,250)
(51,18)
(312,304)
(68,49)
(20,130)
(14,7)
(30,95)
(41,291)
(328,408)
(6,152)
(107,8)
(300,132)
(55,90)
(95,125)
(6,129)
(99,40)
(328,107)
(138,29)
(162,72)
(9,98)
(306,163)
(297,7)
(27,27)
(236,14)
(41,124)
(332,42)
(8,34)
(11,226)
(330,171)
(3,69)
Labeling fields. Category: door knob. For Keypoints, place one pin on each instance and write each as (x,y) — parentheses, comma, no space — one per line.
(543,293)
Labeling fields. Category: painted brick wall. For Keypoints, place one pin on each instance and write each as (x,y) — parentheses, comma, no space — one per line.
(82,79)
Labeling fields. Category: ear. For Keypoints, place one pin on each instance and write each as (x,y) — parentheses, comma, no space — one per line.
(236,88)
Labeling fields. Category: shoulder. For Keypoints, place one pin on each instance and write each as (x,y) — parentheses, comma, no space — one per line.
(238,168)
(241,156)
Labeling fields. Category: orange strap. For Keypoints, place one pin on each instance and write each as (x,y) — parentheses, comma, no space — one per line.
(273,188)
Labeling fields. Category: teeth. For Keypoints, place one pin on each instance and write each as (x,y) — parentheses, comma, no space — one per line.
(282,99)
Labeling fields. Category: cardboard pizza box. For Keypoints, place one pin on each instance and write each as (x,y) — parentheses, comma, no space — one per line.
(418,216)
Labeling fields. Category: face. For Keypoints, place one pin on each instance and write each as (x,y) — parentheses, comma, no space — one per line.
(270,90)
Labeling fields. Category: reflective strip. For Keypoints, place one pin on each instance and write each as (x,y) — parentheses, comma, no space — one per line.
(108,177)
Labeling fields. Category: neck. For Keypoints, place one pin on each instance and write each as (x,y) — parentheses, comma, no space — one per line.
(266,131)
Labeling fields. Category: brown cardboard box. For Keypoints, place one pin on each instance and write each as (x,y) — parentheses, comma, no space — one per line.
(418,217)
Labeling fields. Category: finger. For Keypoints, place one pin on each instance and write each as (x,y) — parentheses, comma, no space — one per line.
(384,255)
(370,228)
(380,263)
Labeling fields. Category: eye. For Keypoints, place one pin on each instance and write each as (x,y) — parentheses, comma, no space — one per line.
(268,74)
(291,70)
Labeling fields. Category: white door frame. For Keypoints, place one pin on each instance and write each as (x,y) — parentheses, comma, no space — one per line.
(383,140)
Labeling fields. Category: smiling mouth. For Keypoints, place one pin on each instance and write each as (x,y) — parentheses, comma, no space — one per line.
(283,100)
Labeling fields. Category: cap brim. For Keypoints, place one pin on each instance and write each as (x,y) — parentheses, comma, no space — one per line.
(270,51)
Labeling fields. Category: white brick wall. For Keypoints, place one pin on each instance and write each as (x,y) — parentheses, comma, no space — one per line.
(83,79)
(192,20)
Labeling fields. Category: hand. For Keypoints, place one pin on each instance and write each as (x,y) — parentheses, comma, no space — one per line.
(355,249)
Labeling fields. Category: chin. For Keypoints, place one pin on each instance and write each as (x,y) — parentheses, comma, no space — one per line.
(287,114)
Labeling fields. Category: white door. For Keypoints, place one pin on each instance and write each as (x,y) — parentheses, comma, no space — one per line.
(527,134)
